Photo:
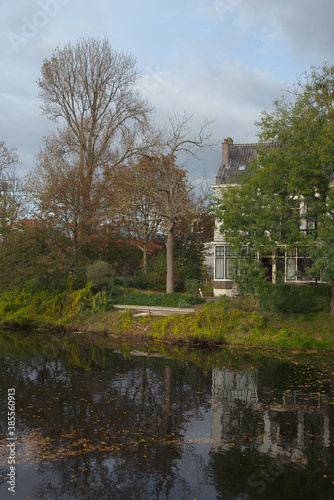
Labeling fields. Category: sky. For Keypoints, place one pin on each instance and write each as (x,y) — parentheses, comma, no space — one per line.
(221,60)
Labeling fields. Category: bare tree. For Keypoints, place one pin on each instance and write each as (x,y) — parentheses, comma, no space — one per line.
(11,201)
(90,88)
(8,157)
(176,140)
(134,203)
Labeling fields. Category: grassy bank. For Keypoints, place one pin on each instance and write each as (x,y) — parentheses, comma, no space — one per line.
(62,310)
(226,322)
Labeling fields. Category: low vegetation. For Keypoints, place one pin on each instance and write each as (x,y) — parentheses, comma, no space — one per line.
(240,322)
(158,299)
(59,310)
(287,298)
(234,322)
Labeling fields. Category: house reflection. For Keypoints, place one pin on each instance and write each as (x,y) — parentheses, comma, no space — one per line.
(276,423)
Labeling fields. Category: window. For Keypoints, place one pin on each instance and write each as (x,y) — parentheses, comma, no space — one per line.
(219,274)
(311,225)
(291,269)
(297,263)
(281,265)
(224,263)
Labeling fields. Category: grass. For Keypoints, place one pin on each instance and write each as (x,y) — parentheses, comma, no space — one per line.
(233,322)
(239,322)
(228,322)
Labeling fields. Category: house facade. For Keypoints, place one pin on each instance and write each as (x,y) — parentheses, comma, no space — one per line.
(292,266)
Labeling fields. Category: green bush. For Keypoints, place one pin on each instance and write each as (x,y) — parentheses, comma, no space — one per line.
(157,299)
(192,286)
(155,275)
(288,298)
(23,307)
(187,273)
(99,274)
(138,281)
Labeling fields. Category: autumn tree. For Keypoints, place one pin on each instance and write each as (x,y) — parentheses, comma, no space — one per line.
(36,256)
(8,157)
(57,187)
(11,197)
(287,201)
(89,89)
(175,143)
(134,202)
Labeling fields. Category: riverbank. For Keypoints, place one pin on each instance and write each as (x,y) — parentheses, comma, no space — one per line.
(235,322)
(226,322)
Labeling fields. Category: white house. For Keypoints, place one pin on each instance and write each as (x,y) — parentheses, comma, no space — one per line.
(236,159)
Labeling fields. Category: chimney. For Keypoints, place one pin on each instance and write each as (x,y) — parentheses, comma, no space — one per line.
(226,151)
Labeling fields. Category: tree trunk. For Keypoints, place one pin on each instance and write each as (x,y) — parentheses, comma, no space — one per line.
(144,250)
(332,300)
(170,257)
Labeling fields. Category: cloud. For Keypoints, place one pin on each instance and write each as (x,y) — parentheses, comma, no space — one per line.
(232,94)
(224,60)
(306,25)
(225,93)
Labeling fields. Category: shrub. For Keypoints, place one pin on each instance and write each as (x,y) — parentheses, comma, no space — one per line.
(154,277)
(288,298)
(138,281)
(157,299)
(99,274)
(191,286)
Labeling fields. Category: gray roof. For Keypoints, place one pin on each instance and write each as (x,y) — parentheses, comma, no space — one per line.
(239,159)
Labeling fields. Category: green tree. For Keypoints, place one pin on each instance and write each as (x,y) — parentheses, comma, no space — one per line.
(287,200)
(36,255)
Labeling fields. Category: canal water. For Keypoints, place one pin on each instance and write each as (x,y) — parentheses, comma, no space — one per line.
(97,418)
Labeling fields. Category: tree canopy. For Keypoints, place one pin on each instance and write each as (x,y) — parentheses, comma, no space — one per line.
(89,89)
(287,200)
(174,196)
(11,201)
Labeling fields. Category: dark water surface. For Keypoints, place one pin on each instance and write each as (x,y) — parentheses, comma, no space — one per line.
(97,419)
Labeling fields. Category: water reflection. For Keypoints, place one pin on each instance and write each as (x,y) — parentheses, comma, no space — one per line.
(288,423)
(99,421)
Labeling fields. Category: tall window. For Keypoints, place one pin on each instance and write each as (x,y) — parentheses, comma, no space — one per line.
(297,263)
(224,263)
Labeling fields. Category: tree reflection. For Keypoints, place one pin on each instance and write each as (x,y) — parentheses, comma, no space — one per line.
(105,429)
(98,423)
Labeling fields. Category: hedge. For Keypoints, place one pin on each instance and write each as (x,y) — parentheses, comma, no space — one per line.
(157,299)
(287,298)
